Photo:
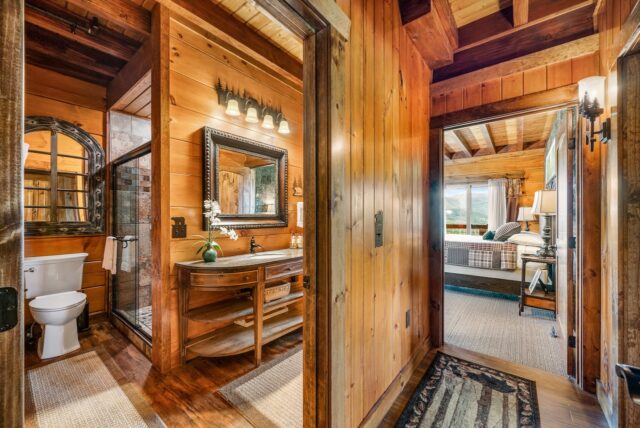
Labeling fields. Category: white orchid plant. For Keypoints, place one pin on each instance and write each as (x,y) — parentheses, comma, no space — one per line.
(211,212)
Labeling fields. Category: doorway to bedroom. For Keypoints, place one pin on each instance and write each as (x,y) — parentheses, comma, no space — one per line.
(508,195)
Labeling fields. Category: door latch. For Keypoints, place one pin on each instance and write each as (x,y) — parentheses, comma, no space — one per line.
(306,282)
(8,308)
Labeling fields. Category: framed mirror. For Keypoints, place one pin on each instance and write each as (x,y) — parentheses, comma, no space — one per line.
(247,178)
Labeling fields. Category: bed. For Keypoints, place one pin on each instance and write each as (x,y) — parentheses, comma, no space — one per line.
(472,262)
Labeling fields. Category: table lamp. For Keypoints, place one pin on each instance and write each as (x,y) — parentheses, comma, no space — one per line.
(545,205)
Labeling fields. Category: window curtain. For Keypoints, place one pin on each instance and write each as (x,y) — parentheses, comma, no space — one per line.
(513,192)
(497,203)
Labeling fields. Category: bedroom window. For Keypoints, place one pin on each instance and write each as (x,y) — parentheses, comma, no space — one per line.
(466,208)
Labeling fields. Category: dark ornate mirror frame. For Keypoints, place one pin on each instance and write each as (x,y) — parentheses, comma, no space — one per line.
(95,178)
(213,141)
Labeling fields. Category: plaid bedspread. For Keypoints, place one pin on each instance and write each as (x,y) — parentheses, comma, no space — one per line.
(480,254)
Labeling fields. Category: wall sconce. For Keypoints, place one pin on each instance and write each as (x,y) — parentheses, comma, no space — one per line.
(593,88)
(253,110)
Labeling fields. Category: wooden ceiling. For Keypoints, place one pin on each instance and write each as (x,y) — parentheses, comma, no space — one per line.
(459,36)
(94,39)
(247,12)
(87,39)
(503,136)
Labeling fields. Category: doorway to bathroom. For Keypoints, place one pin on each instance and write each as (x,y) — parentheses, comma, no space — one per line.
(131,227)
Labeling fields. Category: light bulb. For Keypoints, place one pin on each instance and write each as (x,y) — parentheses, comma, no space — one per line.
(233,109)
(284,127)
(252,115)
(267,122)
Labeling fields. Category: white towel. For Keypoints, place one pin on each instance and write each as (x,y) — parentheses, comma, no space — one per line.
(128,253)
(300,215)
(110,254)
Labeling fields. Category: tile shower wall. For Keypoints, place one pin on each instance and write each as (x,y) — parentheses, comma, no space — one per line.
(133,206)
(127,133)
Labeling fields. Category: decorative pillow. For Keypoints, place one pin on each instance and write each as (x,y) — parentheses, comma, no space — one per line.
(488,235)
(506,231)
(526,238)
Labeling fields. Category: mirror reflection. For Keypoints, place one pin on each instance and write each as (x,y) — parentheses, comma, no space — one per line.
(248,183)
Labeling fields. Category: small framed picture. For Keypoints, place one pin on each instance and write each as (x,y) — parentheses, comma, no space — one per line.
(535,280)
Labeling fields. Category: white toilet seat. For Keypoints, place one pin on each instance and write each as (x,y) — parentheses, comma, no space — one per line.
(58,301)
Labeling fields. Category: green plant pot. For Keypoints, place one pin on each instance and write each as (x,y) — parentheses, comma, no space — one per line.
(210,255)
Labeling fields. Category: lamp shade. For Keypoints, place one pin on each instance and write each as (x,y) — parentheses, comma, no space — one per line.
(252,115)
(267,122)
(525,214)
(233,109)
(544,203)
(284,127)
(594,87)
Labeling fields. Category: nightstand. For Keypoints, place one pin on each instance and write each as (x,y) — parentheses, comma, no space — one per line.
(540,299)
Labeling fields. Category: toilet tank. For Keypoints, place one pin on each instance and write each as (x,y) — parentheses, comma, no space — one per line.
(53,274)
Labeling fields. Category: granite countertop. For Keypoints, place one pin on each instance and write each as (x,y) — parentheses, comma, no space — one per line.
(246,260)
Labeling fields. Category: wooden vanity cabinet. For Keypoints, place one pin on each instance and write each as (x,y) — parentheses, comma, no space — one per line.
(242,321)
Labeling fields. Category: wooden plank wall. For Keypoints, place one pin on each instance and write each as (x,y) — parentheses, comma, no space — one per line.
(196,65)
(52,94)
(530,162)
(387,122)
(611,17)
(548,69)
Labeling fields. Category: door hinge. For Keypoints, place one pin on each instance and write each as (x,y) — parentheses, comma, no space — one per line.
(572,242)
(8,308)
(306,282)
(571,342)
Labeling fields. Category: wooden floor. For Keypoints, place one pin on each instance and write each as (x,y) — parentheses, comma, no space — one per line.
(185,396)
(561,403)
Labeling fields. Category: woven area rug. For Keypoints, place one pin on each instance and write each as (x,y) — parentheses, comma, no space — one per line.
(271,395)
(81,392)
(459,393)
(490,325)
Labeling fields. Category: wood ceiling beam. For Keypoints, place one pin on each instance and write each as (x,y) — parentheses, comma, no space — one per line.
(520,133)
(479,50)
(455,137)
(431,26)
(132,79)
(233,35)
(486,136)
(104,41)
(520,12)
(120,12)
(66,53)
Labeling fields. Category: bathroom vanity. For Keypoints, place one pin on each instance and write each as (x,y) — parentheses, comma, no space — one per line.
(239,320)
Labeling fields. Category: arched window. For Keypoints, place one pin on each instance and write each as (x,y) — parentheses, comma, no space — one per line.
(63,179)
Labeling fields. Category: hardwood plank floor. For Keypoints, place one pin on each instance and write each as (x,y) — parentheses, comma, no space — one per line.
(561,403)
(186,396)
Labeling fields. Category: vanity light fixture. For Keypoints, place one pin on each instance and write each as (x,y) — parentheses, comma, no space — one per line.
(237,104)
(590,108)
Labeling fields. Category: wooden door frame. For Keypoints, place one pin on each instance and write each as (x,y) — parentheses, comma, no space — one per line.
(325,29)
(11,217)
(563,97)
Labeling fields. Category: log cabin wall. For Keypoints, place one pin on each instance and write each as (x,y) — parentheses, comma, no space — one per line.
(548,69)
(529,162)
(611,17)
(387,121)
(48,93)
(196,64)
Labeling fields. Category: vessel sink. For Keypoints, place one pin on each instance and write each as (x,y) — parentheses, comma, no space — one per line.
(270,255)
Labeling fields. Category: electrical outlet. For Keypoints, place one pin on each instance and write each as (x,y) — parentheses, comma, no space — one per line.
(407,318)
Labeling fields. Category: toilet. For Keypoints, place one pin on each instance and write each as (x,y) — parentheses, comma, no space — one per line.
(52,282)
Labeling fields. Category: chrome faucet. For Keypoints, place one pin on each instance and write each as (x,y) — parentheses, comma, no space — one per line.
(253,245)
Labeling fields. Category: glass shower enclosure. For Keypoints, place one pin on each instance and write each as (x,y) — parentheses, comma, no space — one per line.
(131,221)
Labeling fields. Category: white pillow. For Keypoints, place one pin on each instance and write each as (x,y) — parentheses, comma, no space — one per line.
(526,238)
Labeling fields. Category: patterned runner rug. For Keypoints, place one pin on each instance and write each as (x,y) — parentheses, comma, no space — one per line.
(458,393)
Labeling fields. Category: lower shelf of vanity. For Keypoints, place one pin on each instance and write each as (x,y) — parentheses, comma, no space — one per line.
(236,339)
